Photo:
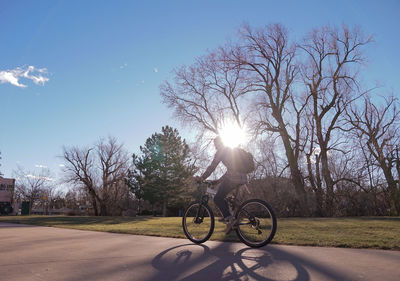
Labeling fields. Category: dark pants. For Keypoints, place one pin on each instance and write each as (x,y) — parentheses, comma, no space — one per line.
(224,188)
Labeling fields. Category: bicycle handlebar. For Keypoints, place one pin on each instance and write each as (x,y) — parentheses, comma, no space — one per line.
(212,182)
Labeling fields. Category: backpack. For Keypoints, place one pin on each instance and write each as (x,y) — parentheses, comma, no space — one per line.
(242,161)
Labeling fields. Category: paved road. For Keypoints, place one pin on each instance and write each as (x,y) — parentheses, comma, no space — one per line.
(46,253)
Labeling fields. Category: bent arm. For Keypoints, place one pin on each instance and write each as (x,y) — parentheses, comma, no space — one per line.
(213,165)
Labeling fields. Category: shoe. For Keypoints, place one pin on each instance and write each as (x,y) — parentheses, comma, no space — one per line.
(230,223)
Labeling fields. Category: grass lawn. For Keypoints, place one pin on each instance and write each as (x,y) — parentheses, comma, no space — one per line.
(360,232)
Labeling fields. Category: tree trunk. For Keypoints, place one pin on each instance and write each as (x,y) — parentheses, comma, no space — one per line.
(94,203)
(103,209)
(30,205)
(394,192)
(296,176)
(326,173)
(316,185)
(320,191)
(164,212)
(138,207)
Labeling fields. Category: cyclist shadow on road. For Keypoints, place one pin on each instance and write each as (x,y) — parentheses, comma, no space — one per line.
(199,262)
(230,261)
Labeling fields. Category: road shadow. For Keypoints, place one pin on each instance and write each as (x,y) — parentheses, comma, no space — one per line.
(186,262)
(198,262)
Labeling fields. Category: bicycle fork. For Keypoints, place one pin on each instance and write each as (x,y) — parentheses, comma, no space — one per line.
(200,211)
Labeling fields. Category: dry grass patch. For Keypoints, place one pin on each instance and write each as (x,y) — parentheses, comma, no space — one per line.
(362,232)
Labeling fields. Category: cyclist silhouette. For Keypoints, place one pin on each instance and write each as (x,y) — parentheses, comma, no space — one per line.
(229,181)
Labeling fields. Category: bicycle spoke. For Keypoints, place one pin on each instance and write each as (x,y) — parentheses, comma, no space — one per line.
(257,223)
(198,223)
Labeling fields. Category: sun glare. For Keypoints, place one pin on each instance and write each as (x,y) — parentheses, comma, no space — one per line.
(232,135)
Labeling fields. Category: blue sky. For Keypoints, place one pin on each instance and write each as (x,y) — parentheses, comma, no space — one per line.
(104,61)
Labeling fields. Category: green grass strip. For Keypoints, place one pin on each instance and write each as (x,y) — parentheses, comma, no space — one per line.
(354,232)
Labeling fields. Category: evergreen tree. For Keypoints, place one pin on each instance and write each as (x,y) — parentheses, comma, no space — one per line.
(161,173)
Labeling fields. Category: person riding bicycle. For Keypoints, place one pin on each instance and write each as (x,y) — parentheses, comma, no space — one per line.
(234,177)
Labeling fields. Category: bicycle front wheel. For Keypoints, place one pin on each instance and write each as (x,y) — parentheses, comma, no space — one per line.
(256,223)
(198,222)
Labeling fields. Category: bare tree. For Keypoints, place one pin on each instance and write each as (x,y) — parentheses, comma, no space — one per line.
(32,186)
(207,94)
(330,75)
(114,166)
(268,162)
(298,92)
(378,128)
(100,170)
(268,58)
(80,169)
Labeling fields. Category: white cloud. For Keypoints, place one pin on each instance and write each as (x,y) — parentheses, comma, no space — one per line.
(40,166)
(39,177)
(155,69)
(123,66)
(12,76)
(61,165)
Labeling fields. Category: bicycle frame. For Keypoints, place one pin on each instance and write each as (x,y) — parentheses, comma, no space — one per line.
(232,200)
(244,213)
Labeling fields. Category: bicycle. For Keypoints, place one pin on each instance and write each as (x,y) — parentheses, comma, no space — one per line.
(255,220)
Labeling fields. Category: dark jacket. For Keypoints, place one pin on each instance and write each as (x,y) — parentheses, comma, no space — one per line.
(225,156)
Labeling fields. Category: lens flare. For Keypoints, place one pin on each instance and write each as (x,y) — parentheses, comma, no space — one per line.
(232,135)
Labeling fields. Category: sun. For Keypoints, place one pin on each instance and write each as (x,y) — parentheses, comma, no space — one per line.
(232,135)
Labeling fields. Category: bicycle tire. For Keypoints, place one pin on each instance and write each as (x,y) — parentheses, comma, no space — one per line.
(240,231)
(187,219)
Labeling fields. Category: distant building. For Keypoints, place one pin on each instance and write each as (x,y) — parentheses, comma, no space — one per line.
(6,195)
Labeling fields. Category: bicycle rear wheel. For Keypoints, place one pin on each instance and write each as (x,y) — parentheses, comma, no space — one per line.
(198,222)
(256,223)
